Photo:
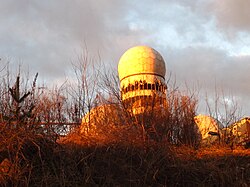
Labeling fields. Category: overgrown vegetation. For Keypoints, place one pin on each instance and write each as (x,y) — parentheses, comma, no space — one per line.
(41,143)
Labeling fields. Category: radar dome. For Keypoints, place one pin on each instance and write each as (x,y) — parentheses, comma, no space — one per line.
(141,60)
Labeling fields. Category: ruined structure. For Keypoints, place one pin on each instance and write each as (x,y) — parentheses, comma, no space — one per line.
(208,129)
(142,85)
(142,79)
(238,133)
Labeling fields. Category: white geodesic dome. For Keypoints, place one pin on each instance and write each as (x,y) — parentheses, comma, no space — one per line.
(141,60)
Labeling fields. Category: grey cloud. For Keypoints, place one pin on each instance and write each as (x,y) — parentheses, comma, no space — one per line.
(47,36)
(48,33)
(210,68)
(210,65)
(231,14)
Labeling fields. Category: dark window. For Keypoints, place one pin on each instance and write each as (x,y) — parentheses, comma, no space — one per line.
(132,87)
(157,87)
(141,86)
(153,86)
(145,86)
(149,86)
(136,86)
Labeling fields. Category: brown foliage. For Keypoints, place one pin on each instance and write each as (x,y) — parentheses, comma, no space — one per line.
(116,153)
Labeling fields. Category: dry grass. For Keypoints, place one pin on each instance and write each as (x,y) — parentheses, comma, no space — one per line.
(37,161)
(117,157)
(158,164)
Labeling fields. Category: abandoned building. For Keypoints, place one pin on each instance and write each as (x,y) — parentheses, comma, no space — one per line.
(141,72)
(143,89)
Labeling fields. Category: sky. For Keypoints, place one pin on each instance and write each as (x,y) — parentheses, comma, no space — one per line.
(205,43)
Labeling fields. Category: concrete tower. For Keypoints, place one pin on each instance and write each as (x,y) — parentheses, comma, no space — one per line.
(142,78)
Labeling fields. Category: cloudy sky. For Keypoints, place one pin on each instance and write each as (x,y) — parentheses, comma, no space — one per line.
(205,43)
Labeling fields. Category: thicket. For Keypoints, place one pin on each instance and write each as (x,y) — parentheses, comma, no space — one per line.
(40,143)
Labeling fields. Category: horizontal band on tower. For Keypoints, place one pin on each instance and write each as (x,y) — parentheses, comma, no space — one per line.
(143,74)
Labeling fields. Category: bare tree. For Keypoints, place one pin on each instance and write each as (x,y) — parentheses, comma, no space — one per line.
(82,93)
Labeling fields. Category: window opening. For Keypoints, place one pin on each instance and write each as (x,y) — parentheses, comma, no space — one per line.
(149,86)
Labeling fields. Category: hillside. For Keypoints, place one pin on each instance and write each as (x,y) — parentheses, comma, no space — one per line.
(41,162)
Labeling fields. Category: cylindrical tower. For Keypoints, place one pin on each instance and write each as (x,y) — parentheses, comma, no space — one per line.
(142,78)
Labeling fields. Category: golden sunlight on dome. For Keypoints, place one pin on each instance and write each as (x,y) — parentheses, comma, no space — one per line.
(141,60)
(142,73)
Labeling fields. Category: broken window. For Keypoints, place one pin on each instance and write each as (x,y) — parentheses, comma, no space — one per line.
(153,86)
(149,86)
(132,87)
(157,86)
